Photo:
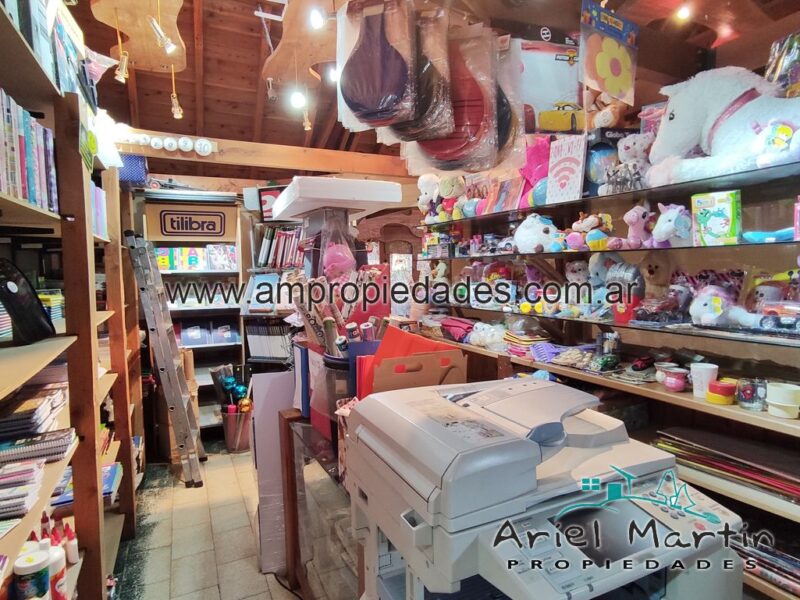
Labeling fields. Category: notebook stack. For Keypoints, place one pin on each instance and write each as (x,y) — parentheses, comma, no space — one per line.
(63,495)
(32,410)
(53,302)
(6,330)
(51,446)
(520,344)
(19,487)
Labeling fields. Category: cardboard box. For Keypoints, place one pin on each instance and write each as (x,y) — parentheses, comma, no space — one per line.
(717,218)
(420,370)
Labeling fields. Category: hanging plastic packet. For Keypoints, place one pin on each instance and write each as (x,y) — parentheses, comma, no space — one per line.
(783,67)
(337,250)
(472,145)
(377,82)
(346,38)
(608,52)
(510,112)
(434,109)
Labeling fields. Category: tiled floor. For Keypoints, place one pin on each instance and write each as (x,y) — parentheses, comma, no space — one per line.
(197,543)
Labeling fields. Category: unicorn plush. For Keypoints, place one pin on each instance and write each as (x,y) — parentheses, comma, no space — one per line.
(737,119)
(538,234)
(673,228)
(640,222)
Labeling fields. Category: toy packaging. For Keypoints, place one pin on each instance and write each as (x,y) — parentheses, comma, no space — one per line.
(717,218)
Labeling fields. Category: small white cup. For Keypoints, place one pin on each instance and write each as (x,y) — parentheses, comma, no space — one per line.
(702,375)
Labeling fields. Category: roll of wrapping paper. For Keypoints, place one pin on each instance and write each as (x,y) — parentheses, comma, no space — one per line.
(342,346)
(329,326)
(337,314)
(382,329)
(367,332)
(314,329)
(352,332)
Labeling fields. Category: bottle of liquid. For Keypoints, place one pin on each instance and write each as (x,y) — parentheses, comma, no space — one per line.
(57,567)
(73,556)
(46,525)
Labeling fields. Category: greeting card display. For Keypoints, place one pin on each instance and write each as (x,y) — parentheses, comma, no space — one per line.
(608,52)
(565,173)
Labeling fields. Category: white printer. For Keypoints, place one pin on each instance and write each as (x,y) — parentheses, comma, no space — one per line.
(516,489)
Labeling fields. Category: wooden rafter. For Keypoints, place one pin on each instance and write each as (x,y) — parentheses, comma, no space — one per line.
(275,156)
(133,98)
(261,97)
(199,74)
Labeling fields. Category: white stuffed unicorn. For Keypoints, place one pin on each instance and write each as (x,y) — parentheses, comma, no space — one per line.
(673,228)
(737,119)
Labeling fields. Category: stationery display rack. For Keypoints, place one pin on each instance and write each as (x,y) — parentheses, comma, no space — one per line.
(767,197)
(99,529)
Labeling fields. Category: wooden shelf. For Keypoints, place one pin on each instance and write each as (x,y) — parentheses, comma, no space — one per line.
(101,316)
(99,239)
(206,273)
(23,78)
(743,493)
(199,309)
(684,400)
(15,211)
(210,346)
(110,455)
(19,363)
(767,588)
(11,543)
(104,386)
(653,391)
(112,535)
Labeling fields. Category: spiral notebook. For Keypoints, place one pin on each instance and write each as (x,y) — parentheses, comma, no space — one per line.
(51,446)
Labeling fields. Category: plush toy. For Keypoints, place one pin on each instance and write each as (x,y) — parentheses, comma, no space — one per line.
(452,189)
(428,186)
(640,222)
(535,169)
(673,228)
(440,273)
(589,232)
(714,306)
(599,264)
(577,274)
(458,208)
(470,207)
(738,120)
(656,268)
(602,110)
(538,234)
(338,262)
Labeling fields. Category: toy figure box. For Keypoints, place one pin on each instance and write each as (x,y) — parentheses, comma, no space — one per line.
(717,218)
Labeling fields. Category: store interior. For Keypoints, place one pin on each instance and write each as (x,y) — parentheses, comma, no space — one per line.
(399,299)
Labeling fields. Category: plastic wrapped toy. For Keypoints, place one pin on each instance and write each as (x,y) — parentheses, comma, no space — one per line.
(428,186)
(378,80)
(538,234)
(783,67)
(337,262)
(714,306)
(452,191)
(631,172)
(640,222)
(673,228)
(669,309)
(589,232)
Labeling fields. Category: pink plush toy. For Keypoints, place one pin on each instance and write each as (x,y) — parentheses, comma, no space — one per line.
(640,222)
(338,262)
(535,169)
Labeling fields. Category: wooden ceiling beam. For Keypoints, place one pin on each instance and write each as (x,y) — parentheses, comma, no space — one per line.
(133,98)
(275,156)
(261,95)
(211,184)
(199,73)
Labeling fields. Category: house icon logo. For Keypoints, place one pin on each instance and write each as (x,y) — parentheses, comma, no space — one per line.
(670,493)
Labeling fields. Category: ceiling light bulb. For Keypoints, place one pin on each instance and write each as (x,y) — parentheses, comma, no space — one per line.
(297,99)
(333,74)
(177,111)
(684,12)
(121,73)
(316,19)
(162,38)
(169,46)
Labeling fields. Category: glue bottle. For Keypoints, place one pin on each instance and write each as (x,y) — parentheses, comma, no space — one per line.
(73,556)
(57,567)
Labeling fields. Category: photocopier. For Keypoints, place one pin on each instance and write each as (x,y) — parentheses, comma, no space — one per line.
(519,489)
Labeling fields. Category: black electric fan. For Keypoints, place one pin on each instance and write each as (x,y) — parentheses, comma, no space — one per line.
(29,319)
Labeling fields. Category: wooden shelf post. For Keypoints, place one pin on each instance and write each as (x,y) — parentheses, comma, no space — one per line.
(79,286)
(117,333)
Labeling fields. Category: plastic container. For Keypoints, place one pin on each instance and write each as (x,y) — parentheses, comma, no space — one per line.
(675,379)
(702,375)
(236,426)
(783,393)
(57,568)
(751,394)
(32,576)
(783,411)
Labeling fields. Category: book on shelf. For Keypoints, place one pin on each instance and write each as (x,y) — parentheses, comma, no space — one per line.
(112,477)
(51,446)
(19,488)
(32,410)
(212,257)
(278,246)
(27,164)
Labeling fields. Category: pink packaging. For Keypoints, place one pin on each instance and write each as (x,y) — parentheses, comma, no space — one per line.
(797,220)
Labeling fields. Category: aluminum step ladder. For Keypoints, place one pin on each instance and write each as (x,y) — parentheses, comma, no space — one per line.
(169,364)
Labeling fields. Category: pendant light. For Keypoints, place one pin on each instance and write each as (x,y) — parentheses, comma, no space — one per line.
(177,111)
(306,121)
(121,72)
(162,38)
(298,98)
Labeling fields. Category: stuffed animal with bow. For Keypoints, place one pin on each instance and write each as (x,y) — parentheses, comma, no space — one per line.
(737,119)
(589,232)
(452,191)
(428,185)
(640,221)
(714,306)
